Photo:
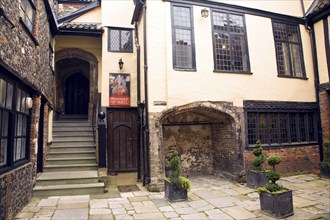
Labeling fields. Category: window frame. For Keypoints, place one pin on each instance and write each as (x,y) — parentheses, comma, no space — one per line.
(227,12)
(120,29)
(13,113)
(192,33)
(287,42)
(287,113)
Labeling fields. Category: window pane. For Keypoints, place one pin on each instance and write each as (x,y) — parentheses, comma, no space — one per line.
(23,148)
(19,123)
(311,128)
(18,99)
(222,50)
(4,123)
(238,52)
(302,127)
(293,127)
(10,91)
(236,24)
(181,16)
(3,89)
(252,128)
(283,128)
(183,48)
(24,126)
(126,43)
(283,59)
(262,122)
(114,40)
(272,117)
(3,152)
(220,21)
(296,61)
(280,31)
(293,34)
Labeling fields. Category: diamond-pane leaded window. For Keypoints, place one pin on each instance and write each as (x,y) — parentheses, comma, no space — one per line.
(281,128)
(183,43)
(120,40)
(288,50)
(230,44)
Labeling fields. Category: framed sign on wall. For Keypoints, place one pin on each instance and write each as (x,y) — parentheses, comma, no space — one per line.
(119,89)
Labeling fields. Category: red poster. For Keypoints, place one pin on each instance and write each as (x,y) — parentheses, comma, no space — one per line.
(119,89)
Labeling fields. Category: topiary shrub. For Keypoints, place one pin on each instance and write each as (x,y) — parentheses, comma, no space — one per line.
(175,165)
(260,157)
(272,175)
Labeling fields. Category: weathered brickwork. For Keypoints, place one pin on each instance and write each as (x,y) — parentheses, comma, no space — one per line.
(21,53)
(15,190)
(299,159)
(66,9)
(325,114)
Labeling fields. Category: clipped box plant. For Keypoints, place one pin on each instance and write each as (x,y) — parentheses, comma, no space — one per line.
(325,164)
(256,176)
(274,199)
(176,186)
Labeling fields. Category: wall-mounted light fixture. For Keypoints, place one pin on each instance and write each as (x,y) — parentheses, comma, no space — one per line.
(27,102)
(120,63)
(204,13)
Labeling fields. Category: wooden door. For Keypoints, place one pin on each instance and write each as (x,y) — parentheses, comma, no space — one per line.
(122,140)
(76,94)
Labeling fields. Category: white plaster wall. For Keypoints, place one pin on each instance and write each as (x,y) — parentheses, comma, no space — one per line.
(117,13)
(321,54)
(94,16)
(287,7)
(181,87)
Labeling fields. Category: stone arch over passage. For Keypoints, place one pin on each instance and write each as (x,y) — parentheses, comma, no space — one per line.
(73,62)
(207,135)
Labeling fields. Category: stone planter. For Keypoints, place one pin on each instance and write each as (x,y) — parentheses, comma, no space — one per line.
(279,205)
(255,179)
(324,171)
(175,193)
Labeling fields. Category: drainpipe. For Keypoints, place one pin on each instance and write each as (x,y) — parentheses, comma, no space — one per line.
(138,75)
(147,164)
(310,30)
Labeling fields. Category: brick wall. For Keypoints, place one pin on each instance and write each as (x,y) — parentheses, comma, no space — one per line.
(325,114)
(299,159)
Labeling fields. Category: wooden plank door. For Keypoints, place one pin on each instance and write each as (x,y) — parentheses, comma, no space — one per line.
(122,140)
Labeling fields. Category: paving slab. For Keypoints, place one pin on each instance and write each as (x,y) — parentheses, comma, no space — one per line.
(101,217)
(238,212)
(146,209)
(143,216)
(198,216)
(81,214)
(74,199)
(185,211)
(123,217)
(48,202)
(100,212)
(171,214)
(73,206)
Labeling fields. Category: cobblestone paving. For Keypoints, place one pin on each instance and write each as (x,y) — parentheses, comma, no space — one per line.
(210,198)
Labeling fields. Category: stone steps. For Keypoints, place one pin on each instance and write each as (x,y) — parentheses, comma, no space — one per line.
(71,167)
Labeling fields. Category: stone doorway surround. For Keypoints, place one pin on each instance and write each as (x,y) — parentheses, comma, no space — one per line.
(88,66)
(209,136)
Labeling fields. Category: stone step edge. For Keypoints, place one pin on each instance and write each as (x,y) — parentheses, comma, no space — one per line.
(71,158)
(72,152)
(71,165)
(68,186)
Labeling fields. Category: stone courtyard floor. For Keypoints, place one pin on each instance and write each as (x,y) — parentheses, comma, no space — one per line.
(209,198)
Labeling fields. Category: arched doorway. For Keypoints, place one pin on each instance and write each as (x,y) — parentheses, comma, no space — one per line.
(76,94)
(206,136)
(76,82)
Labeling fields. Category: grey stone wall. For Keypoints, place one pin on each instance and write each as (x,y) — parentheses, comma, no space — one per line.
(17,49)
(15,190)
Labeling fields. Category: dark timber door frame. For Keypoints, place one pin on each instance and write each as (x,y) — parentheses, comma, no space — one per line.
(40,159)
(122,140)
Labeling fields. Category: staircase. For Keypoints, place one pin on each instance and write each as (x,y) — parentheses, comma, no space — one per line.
(71,167)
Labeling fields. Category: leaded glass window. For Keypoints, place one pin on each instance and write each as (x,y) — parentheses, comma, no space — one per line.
(27,10)
(288,50)
(281,128)
(120,40)
(230,43)
(183,41)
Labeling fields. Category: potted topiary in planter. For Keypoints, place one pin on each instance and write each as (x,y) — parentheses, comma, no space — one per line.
(256,177)
(274,199)
(325,164)
(176,186)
